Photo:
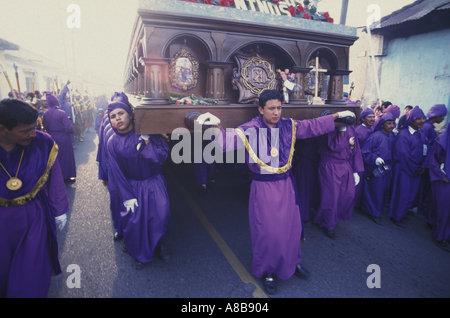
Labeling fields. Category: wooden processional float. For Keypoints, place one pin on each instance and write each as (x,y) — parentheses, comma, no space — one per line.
(187,59)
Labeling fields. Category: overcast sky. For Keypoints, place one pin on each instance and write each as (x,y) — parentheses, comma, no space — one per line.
(101,43)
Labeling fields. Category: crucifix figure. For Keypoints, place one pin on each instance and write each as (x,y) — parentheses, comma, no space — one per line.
(317,99)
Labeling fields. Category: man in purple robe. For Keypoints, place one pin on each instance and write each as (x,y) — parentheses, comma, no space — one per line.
(30,209)
(439,167)
(64,101)
(377,156)
(363,131)
(274,205)
(409,154)
(340,162)
(58,125)
(436,115)
(136,167)
(98,119)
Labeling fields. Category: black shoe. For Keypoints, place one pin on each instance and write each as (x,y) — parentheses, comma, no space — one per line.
(164,254)
(398,223)
(443,245)
(117,237)
(377,220)
(201,190)
(138,265)
(330,233)
(124,249)
(269,283)
(302,272)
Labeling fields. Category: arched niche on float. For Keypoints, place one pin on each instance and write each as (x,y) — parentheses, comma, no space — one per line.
(258,62)
(184,54)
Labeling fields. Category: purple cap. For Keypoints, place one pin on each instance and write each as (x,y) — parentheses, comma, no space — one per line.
(437,110)
(394,110)
(52,101)
(414,113)
(120,97)
(365,112)
(382,119)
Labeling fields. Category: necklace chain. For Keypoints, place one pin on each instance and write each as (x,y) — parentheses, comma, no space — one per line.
(17,172)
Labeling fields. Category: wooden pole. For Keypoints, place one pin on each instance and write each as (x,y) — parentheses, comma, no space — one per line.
(7,80)
(17,80)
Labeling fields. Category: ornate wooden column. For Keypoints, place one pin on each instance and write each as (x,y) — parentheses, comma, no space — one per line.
(298,97)
(336,87)
(156,78)
(215,80)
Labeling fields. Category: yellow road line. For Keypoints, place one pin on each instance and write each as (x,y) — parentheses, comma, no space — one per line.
(245,276)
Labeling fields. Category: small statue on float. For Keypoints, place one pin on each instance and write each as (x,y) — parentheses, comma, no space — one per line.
(288,84)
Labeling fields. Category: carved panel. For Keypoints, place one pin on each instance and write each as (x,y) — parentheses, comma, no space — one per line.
(253,76)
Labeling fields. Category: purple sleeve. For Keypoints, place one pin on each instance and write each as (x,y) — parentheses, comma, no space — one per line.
(57,191)
(123,187)
(356,160)
(156,151)
(436,158)
(68,127)
(367,151)
(314,127)
(62,95)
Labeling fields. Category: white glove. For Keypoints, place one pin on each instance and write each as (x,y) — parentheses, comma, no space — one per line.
(356,176)
(61,221)
(142,137)
(379,161)
(129,204)
(346,113)
(208,119)
(342,128)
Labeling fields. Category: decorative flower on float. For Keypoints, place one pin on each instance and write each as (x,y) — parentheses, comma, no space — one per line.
(307,11)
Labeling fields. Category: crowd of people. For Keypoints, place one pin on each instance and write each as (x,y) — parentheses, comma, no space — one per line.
(323,165)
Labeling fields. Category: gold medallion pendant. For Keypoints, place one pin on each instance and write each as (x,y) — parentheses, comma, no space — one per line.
(14,184)
(274,152)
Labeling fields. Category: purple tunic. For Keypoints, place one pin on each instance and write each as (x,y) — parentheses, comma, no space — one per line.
(28,249)
(439,216)
(307,174)
(275,220)
(57,124)
(438,212)
(65,106)
(376,190)
(363,132)
(337,183)
(137,175)
(408,159)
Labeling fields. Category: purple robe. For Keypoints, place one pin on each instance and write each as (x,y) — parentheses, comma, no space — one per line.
(363,132)
(337,164)
(138,175)
(307,174)
(376,190)
(29,247)
(58,125)
(274,215)
(439,216)
(115,203)
(65,106)
(98,119)
(408,159)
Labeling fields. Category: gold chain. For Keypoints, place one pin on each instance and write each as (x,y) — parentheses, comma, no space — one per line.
(17,173)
